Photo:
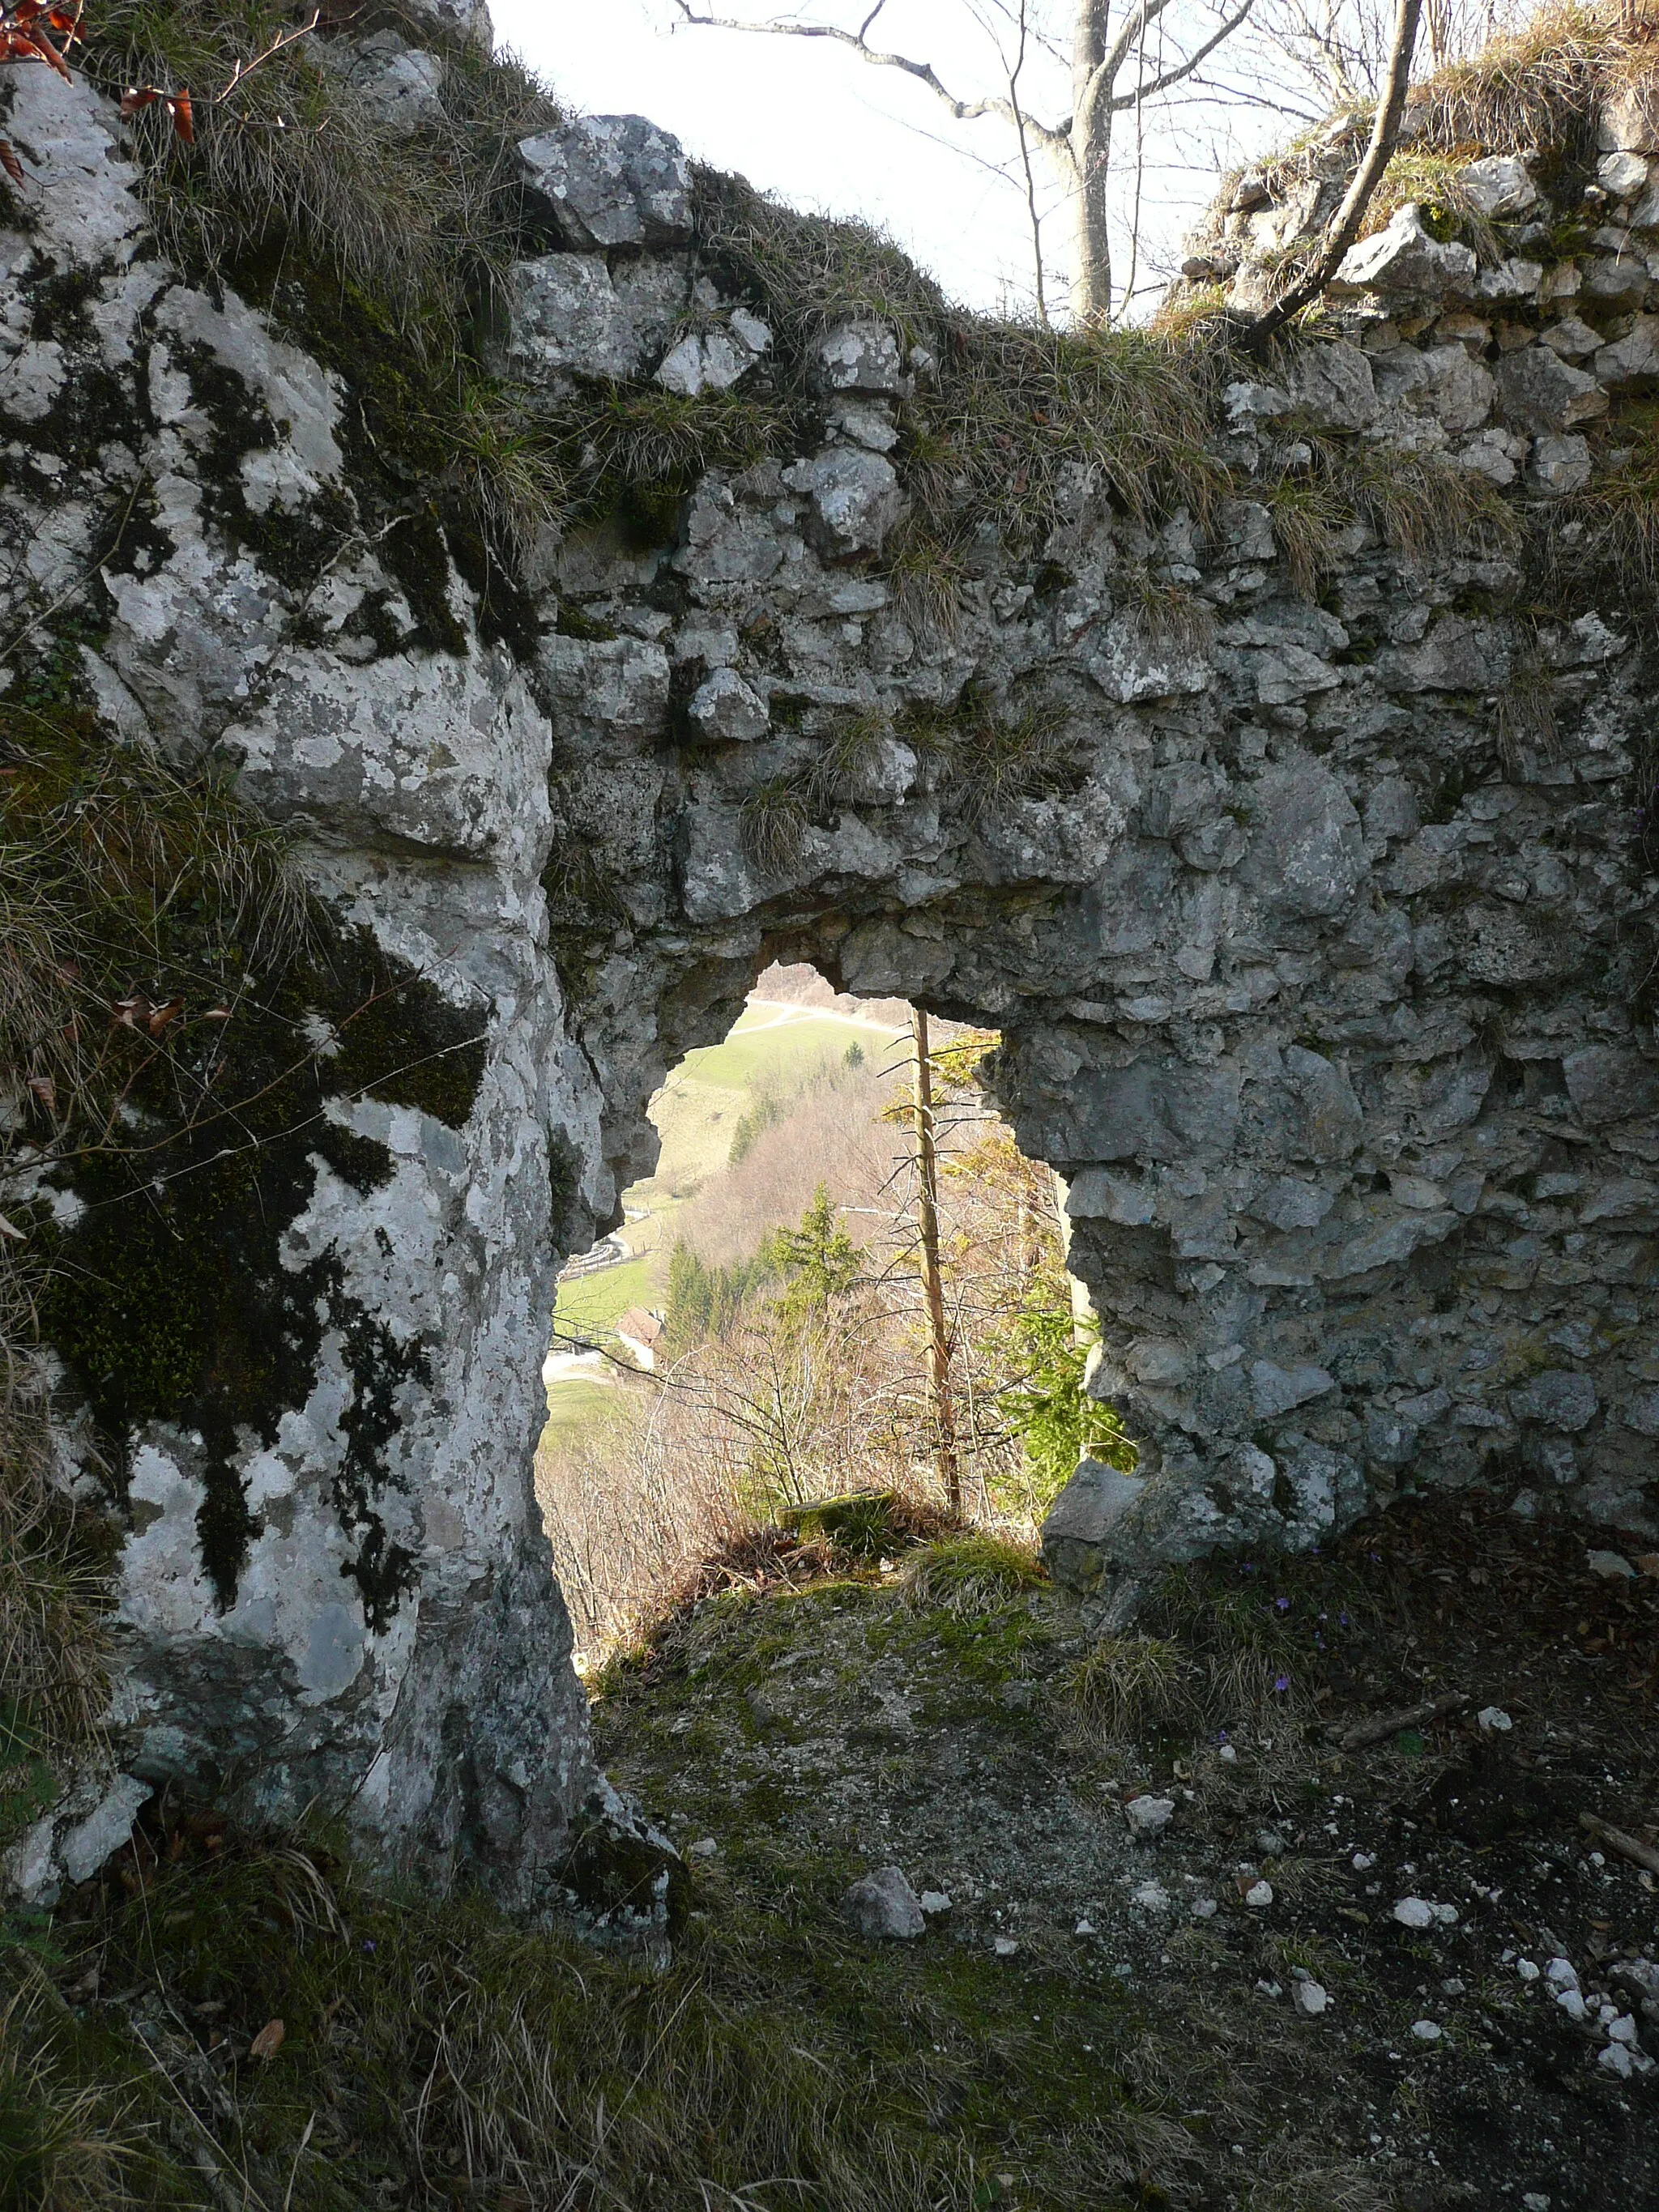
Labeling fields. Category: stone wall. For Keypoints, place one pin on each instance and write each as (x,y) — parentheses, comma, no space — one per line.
(1315,922)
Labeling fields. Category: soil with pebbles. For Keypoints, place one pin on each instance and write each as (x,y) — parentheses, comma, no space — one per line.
(814,1726)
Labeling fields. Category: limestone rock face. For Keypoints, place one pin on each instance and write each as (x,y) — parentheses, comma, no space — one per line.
(1313,923)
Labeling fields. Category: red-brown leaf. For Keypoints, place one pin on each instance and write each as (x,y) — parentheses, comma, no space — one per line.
(161,1018)
(45,1090)
(268,2042)
(184,115)
(9,162)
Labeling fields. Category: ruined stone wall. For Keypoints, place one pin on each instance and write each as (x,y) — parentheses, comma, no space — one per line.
(1308,900)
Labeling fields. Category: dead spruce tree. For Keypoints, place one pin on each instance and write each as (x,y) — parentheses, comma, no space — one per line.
(1120,66)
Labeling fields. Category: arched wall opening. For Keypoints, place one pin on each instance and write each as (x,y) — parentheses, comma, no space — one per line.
(804,1301)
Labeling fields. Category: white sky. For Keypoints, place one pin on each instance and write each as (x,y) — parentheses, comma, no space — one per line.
(828,132)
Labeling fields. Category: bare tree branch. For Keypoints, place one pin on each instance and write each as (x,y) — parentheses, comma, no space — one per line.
(965,111)
(1185,68)
(1345,226)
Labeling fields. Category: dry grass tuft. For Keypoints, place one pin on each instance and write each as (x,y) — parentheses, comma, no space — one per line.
(1431,181)
(1539,85)
(970,1575)
(772,823)
(64,2146)
(294,156)
(120,878)
(1419,505)
(51,1639)
(1128,1686)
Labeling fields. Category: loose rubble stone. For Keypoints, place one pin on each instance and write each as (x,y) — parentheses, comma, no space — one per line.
(1611,1566)
(714,361)
(883,1905)
(1493,1720)
(1542,392)
(569,313)
(608,180)
(1309,1998)
(1148,1816)
(1557,1398)
(1403,257)
(861,357)
(855,501)
(1427,2030)
(723,710)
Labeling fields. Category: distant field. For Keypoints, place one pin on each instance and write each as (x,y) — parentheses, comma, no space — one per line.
(593,1305)
(787,1051)
(696,1113)
(571,1406)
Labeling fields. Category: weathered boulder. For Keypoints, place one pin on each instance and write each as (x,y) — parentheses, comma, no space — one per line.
(723,710)
(855,501)
(569,313)
(1541,392)
(860,357)
(1404,259)
(1498,185)
(1082,1531)
(714,360)
(608,180)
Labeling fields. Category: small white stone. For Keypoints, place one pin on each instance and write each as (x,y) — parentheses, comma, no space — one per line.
(1534,2200)
(1150,1897)
(704,1848)
(1528,1970)
(1616,2058)
(1259,1895)
(1446,1915)
(1148,1816)
(1362,1862)
(1311,1999)
(1623,2029)
(1228,1753)
(1612,1566)
(1204,1908)
(1493,1720)
(1415,1912)
(935,1900)
(1562,1973)
(1084,1927)
(1003,1945)
(1571,2003)
(1427,2030)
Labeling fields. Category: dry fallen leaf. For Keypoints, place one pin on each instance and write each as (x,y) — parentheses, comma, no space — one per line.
(268,2042)
(1647,1563)
(45,1090)
(161,1018)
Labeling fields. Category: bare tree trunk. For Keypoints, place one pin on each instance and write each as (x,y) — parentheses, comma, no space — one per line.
(1088,159)
(1385,137)
(939,1343)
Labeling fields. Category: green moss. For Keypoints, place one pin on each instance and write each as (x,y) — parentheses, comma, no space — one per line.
(165,1293)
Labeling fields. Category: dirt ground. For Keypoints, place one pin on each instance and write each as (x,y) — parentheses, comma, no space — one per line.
(806,1725)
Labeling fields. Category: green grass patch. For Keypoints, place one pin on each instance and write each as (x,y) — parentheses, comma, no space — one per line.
(787,1053)
(591,1305)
